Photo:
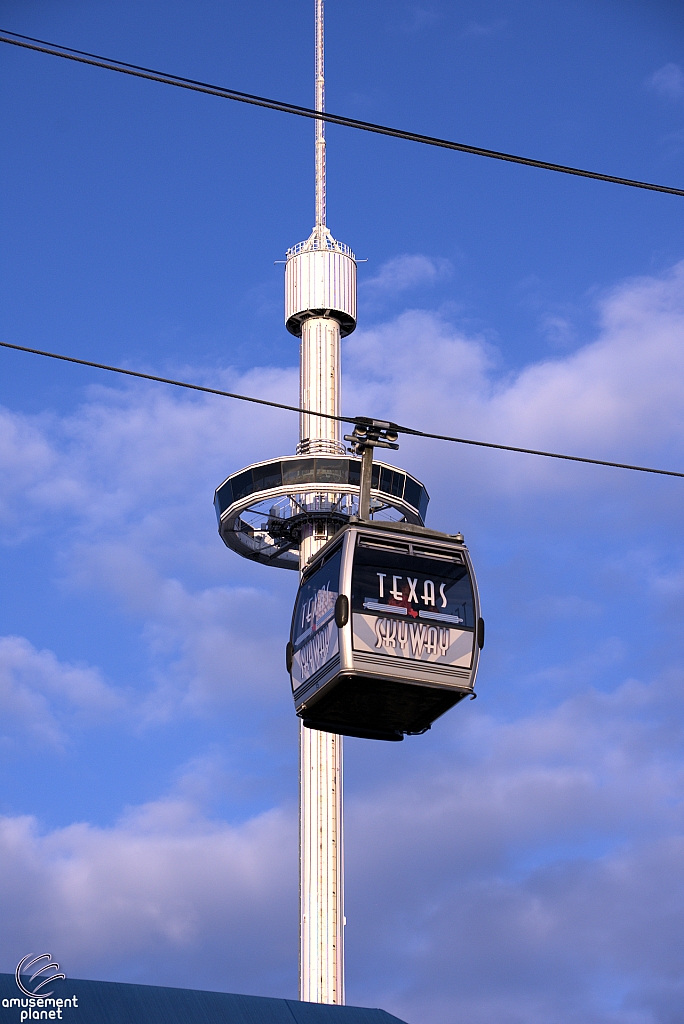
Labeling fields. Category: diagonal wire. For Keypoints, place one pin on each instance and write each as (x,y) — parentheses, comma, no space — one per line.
(83,57)
(412,431)
(168,380)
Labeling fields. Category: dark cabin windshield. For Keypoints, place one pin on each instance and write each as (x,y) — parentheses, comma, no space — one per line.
(386,581)
(316,599)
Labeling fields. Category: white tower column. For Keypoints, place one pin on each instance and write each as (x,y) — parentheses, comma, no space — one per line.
(321,968)
(321,845)
(320,307)
(319,387)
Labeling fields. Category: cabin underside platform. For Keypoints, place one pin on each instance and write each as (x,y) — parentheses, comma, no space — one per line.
(379,709)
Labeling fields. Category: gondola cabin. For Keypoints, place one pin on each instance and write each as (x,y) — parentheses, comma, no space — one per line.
(386,631)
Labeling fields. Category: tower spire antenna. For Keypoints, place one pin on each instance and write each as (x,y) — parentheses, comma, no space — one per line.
(320,106)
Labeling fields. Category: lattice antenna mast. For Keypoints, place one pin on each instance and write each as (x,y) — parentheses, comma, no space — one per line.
(320,125)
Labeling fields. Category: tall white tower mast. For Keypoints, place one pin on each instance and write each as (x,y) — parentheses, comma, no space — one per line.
(281,512)
(305,499)
(320,306)
(321,846)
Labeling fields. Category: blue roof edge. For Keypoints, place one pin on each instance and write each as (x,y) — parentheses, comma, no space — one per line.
(115,1002)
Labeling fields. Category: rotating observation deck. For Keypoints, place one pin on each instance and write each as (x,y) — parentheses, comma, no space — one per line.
(264,511)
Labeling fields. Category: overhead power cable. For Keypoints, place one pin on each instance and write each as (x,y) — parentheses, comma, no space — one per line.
(340,419)
(83,57)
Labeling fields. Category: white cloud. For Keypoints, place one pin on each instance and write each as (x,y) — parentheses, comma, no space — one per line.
(620,397)
(209,648)
(529,870)
(416,17)
(558,329)
(27,463)
(165,895)
(668,81)
(126,481)
(482,28)
(125,486)
(138,448)
(496,871)
(139,467)
(502,871)
(403,273)
(218,647)
(39,695)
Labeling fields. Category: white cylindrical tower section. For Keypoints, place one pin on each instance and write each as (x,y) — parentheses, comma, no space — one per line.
(319,387)
(321,945)
(320,281)
(320,308)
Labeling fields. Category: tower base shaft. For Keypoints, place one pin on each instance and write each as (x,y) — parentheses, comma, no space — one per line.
(321,948)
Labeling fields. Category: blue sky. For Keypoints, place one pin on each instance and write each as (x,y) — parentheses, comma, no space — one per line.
(522,861)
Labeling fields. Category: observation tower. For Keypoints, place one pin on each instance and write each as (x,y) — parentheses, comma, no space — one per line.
(320,308)
(281,512)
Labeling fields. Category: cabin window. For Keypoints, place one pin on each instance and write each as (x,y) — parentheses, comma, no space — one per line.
(315,605)
(420,587)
